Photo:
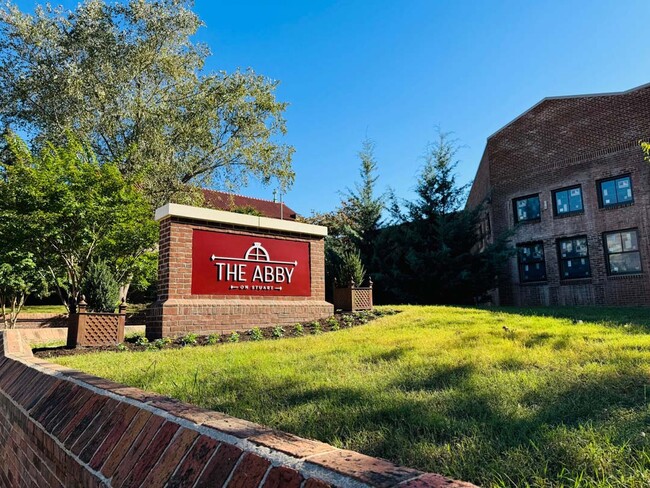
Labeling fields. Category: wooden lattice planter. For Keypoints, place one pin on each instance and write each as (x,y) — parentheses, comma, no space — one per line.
(353,298)
(91,329)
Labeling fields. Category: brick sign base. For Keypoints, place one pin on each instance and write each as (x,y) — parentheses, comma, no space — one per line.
(221,272)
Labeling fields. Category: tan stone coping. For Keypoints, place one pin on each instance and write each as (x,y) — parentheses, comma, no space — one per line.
(237,219)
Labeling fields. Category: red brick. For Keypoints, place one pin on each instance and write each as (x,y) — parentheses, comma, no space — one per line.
(220,466)
(168,463)
(558,143)
(283,477)
(191,467)
(124,444)
(136,449)
(435,481)
(374,471)
(249,472)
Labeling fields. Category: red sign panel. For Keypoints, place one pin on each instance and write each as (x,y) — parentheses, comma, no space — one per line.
(228,264)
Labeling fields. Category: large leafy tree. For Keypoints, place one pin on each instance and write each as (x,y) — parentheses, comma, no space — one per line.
(70,210)
(128,78)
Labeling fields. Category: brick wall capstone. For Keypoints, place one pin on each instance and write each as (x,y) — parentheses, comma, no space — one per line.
(63,428)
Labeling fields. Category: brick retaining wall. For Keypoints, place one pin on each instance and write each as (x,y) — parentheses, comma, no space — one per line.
(60,427)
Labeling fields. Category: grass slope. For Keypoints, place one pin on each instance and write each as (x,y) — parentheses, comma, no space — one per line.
(546,402)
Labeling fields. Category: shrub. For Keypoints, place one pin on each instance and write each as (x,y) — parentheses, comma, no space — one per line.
(213,339)
(256,334)
(278,332)
(351,269)
(122,347)
(316,328)
(141,341)
(102,290)
(189,339)
(161,343)
(298,329)
(234,337)
(335,326)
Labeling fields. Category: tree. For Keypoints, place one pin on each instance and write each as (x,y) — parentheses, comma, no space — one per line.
(354,224)
(362,207)
(19,277)
(127,78)
(70,209)
(429,254)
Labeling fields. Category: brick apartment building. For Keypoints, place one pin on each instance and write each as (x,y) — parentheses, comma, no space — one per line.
(569,179)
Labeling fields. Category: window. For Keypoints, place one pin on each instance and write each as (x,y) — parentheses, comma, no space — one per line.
(527,208)
(567,201)
(574,258)
(615,191)
(532,265)
(622,252)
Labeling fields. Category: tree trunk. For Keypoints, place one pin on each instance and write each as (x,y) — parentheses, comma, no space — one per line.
(124,290)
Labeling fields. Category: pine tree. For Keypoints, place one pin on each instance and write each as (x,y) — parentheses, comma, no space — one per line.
(429,256)
(362,207)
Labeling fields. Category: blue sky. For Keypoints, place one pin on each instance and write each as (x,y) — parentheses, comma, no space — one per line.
(394,70)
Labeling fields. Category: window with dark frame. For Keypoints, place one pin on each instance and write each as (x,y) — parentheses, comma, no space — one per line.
(527,208)
(574,258)
(532,264)
(568,201)
(615,191)
(622,252)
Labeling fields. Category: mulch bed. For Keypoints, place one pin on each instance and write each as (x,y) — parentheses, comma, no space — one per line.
(140,343)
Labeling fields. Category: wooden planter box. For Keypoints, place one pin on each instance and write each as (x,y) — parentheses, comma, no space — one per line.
(353,298)
(92,329)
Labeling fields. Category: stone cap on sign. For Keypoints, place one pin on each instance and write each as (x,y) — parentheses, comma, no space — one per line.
(237,219)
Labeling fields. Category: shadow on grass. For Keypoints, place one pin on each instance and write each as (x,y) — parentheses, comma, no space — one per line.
(609,316)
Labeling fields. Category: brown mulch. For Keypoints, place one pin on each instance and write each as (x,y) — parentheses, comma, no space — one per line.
(140,343)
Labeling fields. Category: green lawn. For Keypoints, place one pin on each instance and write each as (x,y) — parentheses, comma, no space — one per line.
(27,309)
(548,401)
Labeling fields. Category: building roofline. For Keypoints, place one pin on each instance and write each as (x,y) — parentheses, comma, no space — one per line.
(561,97)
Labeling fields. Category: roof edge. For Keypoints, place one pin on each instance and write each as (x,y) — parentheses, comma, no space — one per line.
(561,97)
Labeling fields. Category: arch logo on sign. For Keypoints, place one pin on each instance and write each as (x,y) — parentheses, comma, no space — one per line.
(230,264)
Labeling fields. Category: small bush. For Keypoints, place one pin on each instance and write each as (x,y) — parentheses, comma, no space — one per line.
(298,329)
(335,326)
(189,339)
(141,341)
(213,339)
(122,347)
(101,289)
(256,334)
(233,337)
(316,328)
(351,269)
(331,321)
(277,332)
(161,343)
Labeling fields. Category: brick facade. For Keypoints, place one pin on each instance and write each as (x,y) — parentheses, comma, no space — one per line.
(567,142)
(63,428)
(177,311)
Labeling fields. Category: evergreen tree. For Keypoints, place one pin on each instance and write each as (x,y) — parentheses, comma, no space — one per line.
(362,207)
(429,255)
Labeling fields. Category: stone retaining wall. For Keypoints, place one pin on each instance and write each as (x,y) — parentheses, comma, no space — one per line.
(63,428)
